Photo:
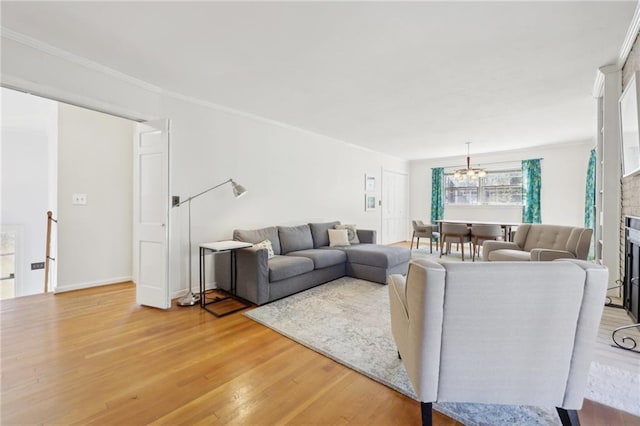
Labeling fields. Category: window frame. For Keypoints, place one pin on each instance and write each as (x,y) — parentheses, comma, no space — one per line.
(480,189)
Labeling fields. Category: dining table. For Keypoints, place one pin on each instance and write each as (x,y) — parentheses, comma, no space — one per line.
(506,226)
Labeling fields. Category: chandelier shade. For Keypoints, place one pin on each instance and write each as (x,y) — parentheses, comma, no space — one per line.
(469,172)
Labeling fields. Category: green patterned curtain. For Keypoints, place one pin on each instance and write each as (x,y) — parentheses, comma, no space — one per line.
(531,183)
(590,194)
(437,198)
(590,199)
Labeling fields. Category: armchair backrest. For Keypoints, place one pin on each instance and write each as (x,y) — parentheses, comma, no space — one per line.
(506,333)
(421,229)
(575,240)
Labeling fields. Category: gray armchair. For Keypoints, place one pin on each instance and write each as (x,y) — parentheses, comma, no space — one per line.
(489,333)
(537,242)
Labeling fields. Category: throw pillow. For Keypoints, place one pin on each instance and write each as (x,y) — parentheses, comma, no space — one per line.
(338,237)
(351,232)
(266,244)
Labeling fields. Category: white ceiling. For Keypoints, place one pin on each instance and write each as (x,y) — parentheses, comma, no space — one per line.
(414,80)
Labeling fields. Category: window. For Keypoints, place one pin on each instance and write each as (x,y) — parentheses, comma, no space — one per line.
(498,187)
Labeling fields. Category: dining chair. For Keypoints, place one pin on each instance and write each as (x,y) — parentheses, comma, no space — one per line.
(422,230)
(481,233)
(458,233)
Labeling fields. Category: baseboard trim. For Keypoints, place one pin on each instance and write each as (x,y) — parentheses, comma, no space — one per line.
(90,284)
(179,293)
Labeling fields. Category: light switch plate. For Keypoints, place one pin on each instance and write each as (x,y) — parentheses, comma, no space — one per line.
(79,199)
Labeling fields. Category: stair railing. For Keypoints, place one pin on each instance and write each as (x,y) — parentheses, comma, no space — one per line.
(48,257)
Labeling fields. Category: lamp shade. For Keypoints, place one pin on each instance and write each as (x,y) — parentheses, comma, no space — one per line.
(238,190)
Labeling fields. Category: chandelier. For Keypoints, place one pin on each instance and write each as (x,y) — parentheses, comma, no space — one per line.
(469,172)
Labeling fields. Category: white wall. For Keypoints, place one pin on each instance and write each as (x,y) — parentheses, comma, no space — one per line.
(95,157)
(29,133)
(292,176)
(564,173)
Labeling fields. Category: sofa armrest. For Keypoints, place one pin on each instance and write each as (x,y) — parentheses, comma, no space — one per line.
(490,245)
(252,279)
(545,255)
(367,236)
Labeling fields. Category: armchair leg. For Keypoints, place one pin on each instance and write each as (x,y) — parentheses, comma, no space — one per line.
(568,417)
(427,415)
(412,237)
(474,246)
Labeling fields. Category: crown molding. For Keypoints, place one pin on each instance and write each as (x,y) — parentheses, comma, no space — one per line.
(22,85)
(630,37)
(627,44)
(75,59)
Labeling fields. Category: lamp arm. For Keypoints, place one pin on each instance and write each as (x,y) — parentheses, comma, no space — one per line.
(202,193)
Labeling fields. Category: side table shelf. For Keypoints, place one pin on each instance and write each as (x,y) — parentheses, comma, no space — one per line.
(219,247)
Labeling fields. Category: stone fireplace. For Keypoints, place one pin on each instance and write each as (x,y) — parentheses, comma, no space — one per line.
(631,284)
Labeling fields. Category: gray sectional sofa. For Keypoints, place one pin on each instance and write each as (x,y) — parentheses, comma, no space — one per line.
(303,259)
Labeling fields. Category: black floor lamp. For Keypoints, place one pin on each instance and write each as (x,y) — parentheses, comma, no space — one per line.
(190,298)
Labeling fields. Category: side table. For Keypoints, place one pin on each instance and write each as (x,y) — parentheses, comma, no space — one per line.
(219,247)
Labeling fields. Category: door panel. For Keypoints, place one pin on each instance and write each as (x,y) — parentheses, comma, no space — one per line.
(395,221)
(151,214)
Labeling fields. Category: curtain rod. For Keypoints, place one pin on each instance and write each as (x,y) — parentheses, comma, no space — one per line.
(488,164)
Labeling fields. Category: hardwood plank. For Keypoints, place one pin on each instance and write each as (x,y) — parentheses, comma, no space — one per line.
(95,357)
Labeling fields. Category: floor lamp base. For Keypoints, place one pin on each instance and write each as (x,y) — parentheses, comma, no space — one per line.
(189,300)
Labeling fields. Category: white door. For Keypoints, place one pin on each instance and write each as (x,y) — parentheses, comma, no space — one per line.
(395,200)
(151,214)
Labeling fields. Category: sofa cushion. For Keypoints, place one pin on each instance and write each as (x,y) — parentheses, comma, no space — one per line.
(255,236)
(338,237)
(294,238)
(322,258)
(283,267)
(547,236)
(320,234)
(509,254)
(377,255)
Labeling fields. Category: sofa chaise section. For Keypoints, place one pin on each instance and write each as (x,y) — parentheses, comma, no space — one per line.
(375,263)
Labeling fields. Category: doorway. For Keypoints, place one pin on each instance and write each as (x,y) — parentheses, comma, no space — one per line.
(28,188)
(79,165)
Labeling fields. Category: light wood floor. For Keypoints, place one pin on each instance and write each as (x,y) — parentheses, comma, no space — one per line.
(95,357)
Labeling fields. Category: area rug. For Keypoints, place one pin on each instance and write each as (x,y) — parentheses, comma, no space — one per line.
(348,320)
